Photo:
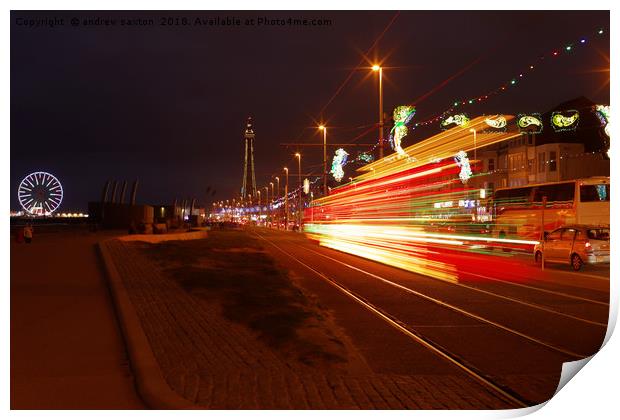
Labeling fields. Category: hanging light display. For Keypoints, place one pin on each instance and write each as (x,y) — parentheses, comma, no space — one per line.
(462,161)
(530,123)
(402,116)
(455,120)
(306,186)
(340,159)
(565,120)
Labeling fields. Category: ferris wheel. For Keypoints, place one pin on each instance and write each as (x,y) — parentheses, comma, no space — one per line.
(40,193)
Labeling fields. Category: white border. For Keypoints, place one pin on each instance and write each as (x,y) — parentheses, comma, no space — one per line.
(593,394)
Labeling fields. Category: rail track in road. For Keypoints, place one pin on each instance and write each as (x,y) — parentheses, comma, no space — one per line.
(470,368)
(463,365)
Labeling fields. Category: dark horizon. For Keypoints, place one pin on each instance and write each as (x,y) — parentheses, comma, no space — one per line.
(168,105)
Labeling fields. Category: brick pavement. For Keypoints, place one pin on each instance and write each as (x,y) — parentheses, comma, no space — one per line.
(218,364)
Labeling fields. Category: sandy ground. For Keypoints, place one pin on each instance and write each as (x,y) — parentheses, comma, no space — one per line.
(67,351)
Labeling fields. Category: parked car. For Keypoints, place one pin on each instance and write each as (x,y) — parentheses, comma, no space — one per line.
(575,245)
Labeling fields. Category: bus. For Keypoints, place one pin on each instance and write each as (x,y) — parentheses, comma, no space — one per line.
(519,211)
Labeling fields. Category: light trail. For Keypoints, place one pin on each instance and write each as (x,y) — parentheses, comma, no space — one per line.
(454,308)
(504,393)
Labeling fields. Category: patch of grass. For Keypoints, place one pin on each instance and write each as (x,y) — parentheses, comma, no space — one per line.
(231,269)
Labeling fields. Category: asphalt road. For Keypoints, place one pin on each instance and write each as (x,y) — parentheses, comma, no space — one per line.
(505,323)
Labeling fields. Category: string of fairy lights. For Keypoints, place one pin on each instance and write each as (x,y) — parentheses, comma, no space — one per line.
(457,110)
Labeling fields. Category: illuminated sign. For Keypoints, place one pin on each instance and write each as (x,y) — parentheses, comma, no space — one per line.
(530,123)
(402,115)
(460,120)
(462,161)
(565,120)
(340,159)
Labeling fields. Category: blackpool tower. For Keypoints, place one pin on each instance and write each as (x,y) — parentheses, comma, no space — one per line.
(248,187)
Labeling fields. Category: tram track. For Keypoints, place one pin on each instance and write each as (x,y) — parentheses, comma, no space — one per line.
(476,289)
(559,348)
(503,392)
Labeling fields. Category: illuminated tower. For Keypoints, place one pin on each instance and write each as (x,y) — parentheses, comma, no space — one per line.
(249,181)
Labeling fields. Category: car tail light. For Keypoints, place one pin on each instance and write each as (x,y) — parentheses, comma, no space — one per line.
(588,248)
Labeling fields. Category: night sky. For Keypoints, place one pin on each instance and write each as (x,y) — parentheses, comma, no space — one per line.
(168,104)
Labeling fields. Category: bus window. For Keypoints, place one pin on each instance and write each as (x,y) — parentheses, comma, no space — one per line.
(593,193)
(555,192)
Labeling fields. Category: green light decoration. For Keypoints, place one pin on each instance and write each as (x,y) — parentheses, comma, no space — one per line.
(530,123)
(561,122)
(458,119)
(365,157)
(497,123)
(462,161)
(402,115)
(340,159)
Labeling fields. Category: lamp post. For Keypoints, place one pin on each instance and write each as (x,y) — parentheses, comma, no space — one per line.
(286,200)
(473,130)
(324,129)
(267,203)
(278,186)
(378,68)
(259,211)
(298,156)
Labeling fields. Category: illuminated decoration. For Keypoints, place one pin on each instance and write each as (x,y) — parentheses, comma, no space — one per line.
(458,120)
(511,83)
(462,161)
(499,122)
(402,116)
(602,111)
(406,213)
(530,123)
(601,189)
(565,120)
(495,124)
(40,193)
(340,159)
(365,157)
(306,186)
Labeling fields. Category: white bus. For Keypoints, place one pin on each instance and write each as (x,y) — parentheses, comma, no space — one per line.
(518,211)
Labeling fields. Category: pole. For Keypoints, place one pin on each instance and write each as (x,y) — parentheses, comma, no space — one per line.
(300,191)
(380,112)
(325,161)
(542,230)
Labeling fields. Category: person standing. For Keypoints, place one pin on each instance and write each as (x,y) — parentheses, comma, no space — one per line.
(28,233)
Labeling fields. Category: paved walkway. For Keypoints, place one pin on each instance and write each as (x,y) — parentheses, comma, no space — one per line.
(218,364)
(67,351)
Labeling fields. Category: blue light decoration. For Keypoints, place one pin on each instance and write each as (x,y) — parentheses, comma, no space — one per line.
(457,120)
(565,120)
(402,116)
(602,112)
(365,157)
(530,123)
(601,189)
(462,161)
(340,159)
(495,125)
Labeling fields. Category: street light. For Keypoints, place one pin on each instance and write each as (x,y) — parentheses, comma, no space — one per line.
(378,68)
(267,203)
(278,184)
(473,130)
(298,156)
(324,129)
(271,183)
(286,199)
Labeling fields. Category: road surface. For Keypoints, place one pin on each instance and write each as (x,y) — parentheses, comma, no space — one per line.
(504,322)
